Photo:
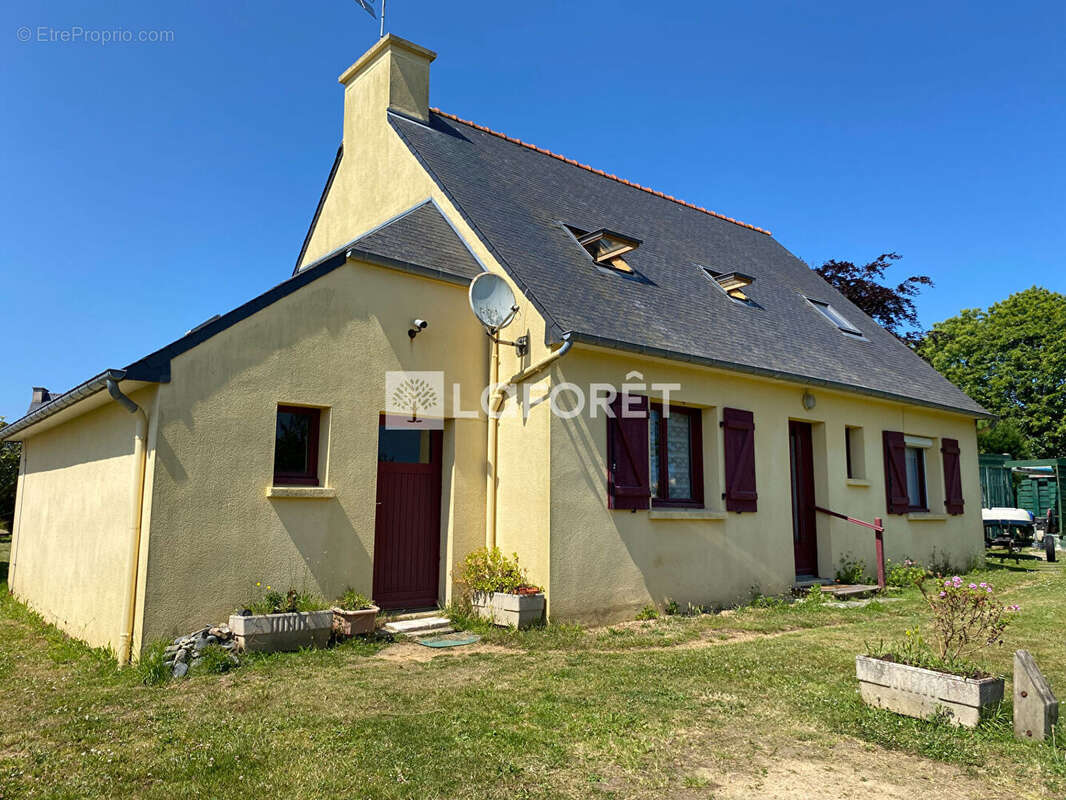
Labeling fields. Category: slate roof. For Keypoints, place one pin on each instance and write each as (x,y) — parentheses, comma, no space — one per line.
(520,198)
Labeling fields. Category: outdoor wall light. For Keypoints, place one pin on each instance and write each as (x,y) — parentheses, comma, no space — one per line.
(418,325)
(809,401)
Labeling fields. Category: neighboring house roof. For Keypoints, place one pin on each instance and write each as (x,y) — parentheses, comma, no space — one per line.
(519,199)
(419,241)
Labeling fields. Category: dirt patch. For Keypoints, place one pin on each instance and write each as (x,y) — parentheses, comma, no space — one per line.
(404,651)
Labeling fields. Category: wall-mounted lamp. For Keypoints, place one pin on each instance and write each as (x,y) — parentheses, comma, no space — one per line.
(809,401)
(418,325)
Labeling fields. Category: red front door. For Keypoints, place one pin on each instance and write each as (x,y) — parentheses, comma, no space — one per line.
(804,524)
(407,524)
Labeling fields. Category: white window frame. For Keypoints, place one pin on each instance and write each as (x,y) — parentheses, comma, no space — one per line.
(832,315)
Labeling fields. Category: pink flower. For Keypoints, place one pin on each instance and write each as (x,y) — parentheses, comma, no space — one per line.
(943,594)
(947,584)
(973,585)
(983,585)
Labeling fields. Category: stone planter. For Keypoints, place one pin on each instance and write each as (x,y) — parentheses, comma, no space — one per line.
(510,610)
(271,632)
(917,692)
(354,623)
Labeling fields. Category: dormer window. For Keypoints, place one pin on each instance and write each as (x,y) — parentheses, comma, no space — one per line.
(732,283)
(607,247)
(835,317)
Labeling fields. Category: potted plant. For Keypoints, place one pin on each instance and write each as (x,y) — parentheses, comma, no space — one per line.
(279,621)
(354,615)
(498,589)
(913,678)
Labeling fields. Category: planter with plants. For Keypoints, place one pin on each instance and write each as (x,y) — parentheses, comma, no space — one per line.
(498,590)
(354,615)
(279,621)
(920,680)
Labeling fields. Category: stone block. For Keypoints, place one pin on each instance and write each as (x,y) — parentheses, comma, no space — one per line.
(1035,708)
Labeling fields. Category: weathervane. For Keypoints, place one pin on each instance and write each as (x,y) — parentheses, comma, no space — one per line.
(369,9)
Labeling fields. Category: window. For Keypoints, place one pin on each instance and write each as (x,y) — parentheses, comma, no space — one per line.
(296,446)
(404,446)
(675,455)
(607,247)
(854,452)
(733,284)
(916,491)
(835,317)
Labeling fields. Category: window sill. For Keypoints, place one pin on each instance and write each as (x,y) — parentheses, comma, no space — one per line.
(925,516)
(306,492)
(686,513)
(861,482)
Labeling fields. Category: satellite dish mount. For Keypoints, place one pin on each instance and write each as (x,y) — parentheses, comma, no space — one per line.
(493,303)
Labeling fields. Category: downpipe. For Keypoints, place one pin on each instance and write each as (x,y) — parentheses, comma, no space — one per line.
(495,404)
(140,454)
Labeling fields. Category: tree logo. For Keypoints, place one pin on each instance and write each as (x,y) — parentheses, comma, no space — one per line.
(414,399)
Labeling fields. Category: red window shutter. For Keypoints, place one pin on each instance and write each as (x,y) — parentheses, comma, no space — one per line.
(952,476)
(738,444)
(896,499)
(628,480)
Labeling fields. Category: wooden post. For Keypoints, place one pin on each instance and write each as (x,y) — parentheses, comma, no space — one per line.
(880,541)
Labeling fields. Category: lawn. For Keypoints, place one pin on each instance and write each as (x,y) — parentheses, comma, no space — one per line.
(758,702)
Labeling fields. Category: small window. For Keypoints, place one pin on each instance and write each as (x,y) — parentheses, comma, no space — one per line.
(916,490)
(676,457)
(296,446)
(834,316)
(404,446)
(733,284)
(606,247)
(854,452)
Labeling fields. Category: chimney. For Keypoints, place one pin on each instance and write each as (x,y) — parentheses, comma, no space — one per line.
(393,74)
(40,397)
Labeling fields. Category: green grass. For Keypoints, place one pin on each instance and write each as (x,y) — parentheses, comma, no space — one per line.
(674,706)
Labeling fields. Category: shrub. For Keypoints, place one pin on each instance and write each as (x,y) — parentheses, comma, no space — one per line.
(216,660)
(907,573)
(487,570)
(351,600)
(851,570)
(150,667)
(967,617)
(671,609)
(273,601)
(648,612)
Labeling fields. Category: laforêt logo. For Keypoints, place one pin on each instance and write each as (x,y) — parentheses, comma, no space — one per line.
(414,399)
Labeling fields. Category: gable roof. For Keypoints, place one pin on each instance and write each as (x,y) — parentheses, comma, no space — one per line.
(520,199)
(419,241)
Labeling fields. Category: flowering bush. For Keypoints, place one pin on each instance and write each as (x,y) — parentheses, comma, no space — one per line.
(967,617)
(487,570)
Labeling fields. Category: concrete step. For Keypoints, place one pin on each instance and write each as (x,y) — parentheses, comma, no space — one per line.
(428,612)
(851,590)
(420,626)
(809,582)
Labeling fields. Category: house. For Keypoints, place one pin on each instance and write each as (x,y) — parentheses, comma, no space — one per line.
(258,447)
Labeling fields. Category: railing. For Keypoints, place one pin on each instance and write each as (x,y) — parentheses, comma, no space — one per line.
(878,528)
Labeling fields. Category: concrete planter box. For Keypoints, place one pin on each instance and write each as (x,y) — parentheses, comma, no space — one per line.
(271,632)
(510,610)
(354,623)
(917,692)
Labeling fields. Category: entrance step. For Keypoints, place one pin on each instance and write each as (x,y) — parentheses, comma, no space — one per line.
(809,582)
(422,614)
(851,590)
(420,626)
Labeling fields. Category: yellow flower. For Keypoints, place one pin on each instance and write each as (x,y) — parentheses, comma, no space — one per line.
(257,583)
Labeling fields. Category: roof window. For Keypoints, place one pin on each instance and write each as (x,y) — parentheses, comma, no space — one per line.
(733,284)
(834,316)
(607,247)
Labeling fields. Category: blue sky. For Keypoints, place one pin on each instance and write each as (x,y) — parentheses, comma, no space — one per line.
(149,186)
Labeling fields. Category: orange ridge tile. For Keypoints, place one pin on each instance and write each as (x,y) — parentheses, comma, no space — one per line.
(595,171)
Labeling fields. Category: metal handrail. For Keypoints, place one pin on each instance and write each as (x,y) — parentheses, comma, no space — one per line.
(878,527)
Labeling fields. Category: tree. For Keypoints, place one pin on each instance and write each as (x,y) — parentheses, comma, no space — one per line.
(10,453)
(892,307)
(1002,436)
(1012,360)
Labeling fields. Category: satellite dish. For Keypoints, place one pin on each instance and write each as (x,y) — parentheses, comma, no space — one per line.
(492,301)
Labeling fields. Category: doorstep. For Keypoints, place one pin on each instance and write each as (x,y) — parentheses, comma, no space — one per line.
(420,626)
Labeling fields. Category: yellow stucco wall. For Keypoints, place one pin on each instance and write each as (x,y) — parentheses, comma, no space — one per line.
(214,529)
(606,564)
(71,536)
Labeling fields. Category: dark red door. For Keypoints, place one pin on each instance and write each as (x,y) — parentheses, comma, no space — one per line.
(407,524)
(804,524)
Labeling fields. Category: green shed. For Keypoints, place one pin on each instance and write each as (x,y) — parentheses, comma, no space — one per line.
(997,482)
(1041,480)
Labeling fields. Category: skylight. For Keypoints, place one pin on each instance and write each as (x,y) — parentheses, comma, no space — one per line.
(732,283)
(834,316)
(607,247)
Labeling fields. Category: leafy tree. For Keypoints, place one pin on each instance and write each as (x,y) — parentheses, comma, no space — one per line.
(10,453)
(1012,360)
(1002,436)
(892,307)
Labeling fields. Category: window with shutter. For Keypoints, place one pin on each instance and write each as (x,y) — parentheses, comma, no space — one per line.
(897,501)
(628,484)
(738,446)
(953,501)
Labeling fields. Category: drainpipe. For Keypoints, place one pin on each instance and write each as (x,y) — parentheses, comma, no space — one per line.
(140,454)
(494,423)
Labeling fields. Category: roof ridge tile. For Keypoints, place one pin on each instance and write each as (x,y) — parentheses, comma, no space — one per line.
(595,171)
